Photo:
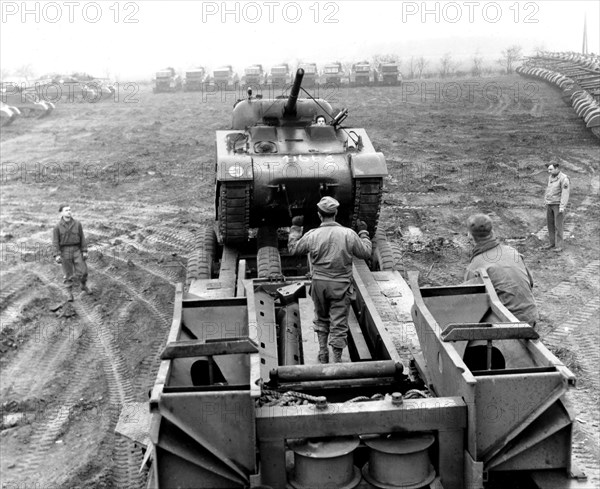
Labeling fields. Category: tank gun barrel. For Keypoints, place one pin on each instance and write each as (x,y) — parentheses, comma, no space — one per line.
(290,106)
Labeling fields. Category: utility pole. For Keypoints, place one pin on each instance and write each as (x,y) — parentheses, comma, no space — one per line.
(584,47)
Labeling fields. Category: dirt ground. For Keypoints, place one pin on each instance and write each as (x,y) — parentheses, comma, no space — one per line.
(139,174)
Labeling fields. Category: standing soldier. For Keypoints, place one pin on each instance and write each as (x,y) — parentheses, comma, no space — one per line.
(556,200)
(331,247)
(70,250)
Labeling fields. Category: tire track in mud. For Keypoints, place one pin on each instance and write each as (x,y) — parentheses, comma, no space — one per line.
(13,284)
(149,365)
(48,428)
(120,387)
(46,348)
(581,333)
(95,341)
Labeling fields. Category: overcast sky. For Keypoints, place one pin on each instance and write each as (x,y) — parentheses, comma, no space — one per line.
(131,40)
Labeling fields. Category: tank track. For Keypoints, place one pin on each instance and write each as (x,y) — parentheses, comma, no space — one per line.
(368,195)
(234,211)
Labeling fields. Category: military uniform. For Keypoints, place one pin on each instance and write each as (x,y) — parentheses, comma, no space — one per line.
(511,280)
(69,243)
(556,200)
(331,247)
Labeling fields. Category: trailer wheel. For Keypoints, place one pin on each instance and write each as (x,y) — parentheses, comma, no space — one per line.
(386,256)
(268,261)
(200,261)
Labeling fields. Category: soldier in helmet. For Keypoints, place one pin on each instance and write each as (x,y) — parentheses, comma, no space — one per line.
(70,250)
(331,247)
(320,120)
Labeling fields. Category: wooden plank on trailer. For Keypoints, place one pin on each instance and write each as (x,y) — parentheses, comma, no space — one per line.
(356,339)
(398,293)
(375,312)
(309,342)
(227,272)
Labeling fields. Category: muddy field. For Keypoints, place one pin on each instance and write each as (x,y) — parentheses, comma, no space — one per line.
(139,174)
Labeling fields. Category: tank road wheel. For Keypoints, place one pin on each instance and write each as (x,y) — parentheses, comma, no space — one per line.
(368,194)
(386,256)
(234,212)
(200,262)
(268,261)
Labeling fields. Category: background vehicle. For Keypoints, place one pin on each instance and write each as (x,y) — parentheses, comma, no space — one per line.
(195,79)
(311,74)
(362,75)
(225,77)
(333,73)
(280,77)
(254,75)
(389,74)
(167,81)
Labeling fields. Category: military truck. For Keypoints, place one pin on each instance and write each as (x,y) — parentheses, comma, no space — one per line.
(362,75)
(254,75)
(333,73)
(280,76)
(311,74)
(389,74)
(167,80)
(225,78)
(195,79)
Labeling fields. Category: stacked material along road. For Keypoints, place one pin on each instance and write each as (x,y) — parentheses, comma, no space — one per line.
(577,75)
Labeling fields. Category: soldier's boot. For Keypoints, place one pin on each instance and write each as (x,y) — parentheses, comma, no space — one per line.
(85,288)
(70,294)
(337,354)
(323,349)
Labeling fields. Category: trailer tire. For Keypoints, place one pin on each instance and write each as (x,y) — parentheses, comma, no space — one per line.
(200,262)
(386,256)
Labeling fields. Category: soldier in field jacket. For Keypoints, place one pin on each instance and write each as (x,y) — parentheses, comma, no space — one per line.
(70,250)
(505,267)
(556,199)
(331,247)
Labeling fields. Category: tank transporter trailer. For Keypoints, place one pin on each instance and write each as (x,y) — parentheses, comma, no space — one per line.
(440,387)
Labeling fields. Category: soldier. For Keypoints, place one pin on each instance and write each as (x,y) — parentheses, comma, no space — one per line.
(70,250)
(320,120)
(331,248)
(556,200)
(505,267)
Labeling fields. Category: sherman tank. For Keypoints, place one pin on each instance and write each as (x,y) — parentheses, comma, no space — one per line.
(276,163)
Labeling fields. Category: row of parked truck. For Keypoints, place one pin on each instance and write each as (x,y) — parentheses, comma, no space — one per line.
(360,74)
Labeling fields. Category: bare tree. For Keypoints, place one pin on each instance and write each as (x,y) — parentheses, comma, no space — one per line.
(510,56)
(420,66)
(24,71)
(447,66)
(477,67)
(412,66)
(540,48)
